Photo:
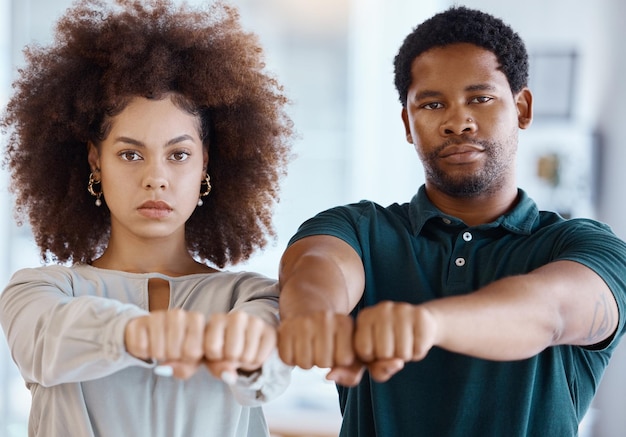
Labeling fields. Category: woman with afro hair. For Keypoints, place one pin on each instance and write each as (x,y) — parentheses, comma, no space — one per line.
(145,147)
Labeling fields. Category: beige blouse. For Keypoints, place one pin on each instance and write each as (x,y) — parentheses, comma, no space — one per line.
(65,329)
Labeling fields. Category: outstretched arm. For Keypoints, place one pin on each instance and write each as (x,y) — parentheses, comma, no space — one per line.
(513,318)
(320,274)
(321,280)
(56,337)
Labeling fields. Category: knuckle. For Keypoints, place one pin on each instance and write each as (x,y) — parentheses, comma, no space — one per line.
(270,335)
(217,318)
(212,353)
(176,314)
(344,323)
(419,353)
(193,352)
(387,306)
(196,317)
(323,316)
(238,316)
(256,323)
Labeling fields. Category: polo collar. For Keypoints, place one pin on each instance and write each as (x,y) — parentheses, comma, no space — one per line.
(520,220)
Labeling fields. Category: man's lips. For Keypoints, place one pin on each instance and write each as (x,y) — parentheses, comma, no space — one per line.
(460,149)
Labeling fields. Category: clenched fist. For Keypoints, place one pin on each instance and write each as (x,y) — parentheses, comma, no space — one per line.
(174,338)
(184,340)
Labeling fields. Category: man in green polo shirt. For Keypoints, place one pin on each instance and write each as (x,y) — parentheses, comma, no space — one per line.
(466,311)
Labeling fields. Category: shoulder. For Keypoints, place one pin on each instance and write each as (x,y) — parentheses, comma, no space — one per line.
(581,230)
(594,245)
(355,214)
(52,277)
(355,223)
(230,280)
(50,273)
(581,239)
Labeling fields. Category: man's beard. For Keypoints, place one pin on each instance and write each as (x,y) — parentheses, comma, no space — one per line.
(488,180)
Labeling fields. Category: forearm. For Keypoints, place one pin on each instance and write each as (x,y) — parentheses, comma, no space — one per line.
(304,296)
(322,279)
(517,317)
(493,325)
(55,338)
(327,277)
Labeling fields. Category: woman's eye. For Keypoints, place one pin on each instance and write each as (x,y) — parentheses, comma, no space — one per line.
(179,156)
(130,155)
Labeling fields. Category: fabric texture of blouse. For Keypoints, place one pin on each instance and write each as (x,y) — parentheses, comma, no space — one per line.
(65,329)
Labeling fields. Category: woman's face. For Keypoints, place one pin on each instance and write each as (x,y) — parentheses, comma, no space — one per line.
(151,165)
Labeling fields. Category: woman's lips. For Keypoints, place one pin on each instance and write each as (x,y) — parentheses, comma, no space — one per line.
(155,209)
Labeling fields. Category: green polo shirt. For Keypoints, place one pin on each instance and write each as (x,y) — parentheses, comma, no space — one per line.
(414,253)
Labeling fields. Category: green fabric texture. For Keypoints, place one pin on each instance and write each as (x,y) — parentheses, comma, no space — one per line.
(414,253)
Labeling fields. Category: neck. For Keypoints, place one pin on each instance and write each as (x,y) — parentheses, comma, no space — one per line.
(474,210)
(168,256)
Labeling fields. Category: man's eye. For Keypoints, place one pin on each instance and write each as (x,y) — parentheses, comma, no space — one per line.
(433,105)
(481,99)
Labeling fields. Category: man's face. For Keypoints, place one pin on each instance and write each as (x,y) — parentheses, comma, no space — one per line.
(463,120)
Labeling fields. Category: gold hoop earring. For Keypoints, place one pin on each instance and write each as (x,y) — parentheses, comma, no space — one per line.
(206,184)
(92,182)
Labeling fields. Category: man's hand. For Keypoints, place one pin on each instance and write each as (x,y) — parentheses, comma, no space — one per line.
(173,338)
(390,334)
(385,337)
(323,339)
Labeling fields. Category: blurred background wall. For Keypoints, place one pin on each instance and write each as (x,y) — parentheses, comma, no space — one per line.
(335,59)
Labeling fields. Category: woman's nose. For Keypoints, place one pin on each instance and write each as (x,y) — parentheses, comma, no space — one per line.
(154,176)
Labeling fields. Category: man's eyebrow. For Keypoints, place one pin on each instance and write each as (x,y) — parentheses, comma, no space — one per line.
(481,87)
(428,94)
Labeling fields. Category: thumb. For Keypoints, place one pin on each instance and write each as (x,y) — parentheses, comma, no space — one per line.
(224,370)
(383,370)
(348,376)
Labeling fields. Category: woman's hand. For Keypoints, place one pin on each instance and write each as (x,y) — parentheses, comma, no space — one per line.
(236,341)
(173,338)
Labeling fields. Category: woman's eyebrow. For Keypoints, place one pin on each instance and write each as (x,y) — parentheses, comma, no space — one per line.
(178,139)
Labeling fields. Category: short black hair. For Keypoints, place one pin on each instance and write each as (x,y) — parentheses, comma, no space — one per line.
(463,25)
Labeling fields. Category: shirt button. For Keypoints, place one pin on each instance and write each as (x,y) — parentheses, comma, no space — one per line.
(460,262)
(446,220)
(467,236)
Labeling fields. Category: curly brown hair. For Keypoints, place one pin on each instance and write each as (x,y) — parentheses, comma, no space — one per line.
(101,56)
